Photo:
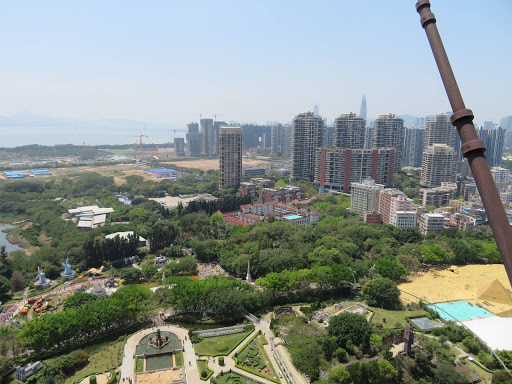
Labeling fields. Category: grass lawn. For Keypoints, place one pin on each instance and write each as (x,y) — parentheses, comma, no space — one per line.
(253,358)
(389,318)
(139,365)
(484,375)
(202,365)
(180,362)
(220,345)
(102,357)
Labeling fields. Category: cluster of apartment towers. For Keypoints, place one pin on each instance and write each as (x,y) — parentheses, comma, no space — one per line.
(337,157)
(359,151)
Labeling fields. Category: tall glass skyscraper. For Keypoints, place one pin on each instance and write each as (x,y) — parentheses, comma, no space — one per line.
(362,112)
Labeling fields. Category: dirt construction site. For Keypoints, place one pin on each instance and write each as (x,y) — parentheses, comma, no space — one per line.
(120,171)
(483,285)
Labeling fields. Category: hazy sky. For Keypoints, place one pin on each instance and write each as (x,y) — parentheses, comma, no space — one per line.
(165,61)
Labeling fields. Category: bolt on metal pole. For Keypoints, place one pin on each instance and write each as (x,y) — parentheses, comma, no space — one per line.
(472,147)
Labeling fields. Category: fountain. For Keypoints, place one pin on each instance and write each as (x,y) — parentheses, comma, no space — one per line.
(158,341)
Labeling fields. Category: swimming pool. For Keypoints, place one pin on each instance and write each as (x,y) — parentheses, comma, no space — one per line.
(460,310)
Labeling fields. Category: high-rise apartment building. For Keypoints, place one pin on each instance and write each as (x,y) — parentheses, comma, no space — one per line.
(194,139)
(276,138)
(230,157)
(365,196)
(368,137)
(413,148)
(388,132)
(316,110)
(362,111)
(328,136)
(494,139)
(440,131)
(286,143)
(506,122)
(392,201)
(307,137)
(336,168)
(438,165)
(349,131)
(208,137)
(193,128)
(216,128)
(179,146)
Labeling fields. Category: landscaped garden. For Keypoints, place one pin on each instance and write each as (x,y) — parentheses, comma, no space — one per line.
(253,358)
(220,345)
(231,377)
(204,371)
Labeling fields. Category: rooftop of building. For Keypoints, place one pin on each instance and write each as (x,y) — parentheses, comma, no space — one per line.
(123,235)
(434,215)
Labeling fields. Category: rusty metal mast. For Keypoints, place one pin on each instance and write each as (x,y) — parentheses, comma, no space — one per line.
(472,147)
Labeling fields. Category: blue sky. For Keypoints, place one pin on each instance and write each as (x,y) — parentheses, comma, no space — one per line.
(249,61)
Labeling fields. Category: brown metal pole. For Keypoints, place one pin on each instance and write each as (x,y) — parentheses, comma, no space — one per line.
(472,147)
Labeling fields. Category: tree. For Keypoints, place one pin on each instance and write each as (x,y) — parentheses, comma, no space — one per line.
(149,270)
(383,293)
(391,268)
(78,299)
(501,377)
(130,274)
(349,326)
(5,286)
(339,375)
(17,281)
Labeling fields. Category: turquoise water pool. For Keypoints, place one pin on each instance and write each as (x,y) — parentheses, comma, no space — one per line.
(293,217)
(460,310)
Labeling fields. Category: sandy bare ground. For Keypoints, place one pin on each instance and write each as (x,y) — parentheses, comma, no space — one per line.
(206,164)
(473,283)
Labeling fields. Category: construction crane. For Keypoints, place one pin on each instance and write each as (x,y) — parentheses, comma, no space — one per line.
(135,147)
(140,142)
(215,117)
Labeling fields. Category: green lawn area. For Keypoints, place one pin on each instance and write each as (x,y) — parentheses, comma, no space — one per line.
(389,318)
(139,365)
(253,358)
(102,357)
(220,345)
(179,359)
(202,365)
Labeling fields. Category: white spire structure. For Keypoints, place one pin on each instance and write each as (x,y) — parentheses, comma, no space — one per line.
(362,112)
(248,277)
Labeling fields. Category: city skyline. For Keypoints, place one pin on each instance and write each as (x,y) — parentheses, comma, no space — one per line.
(88,62)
